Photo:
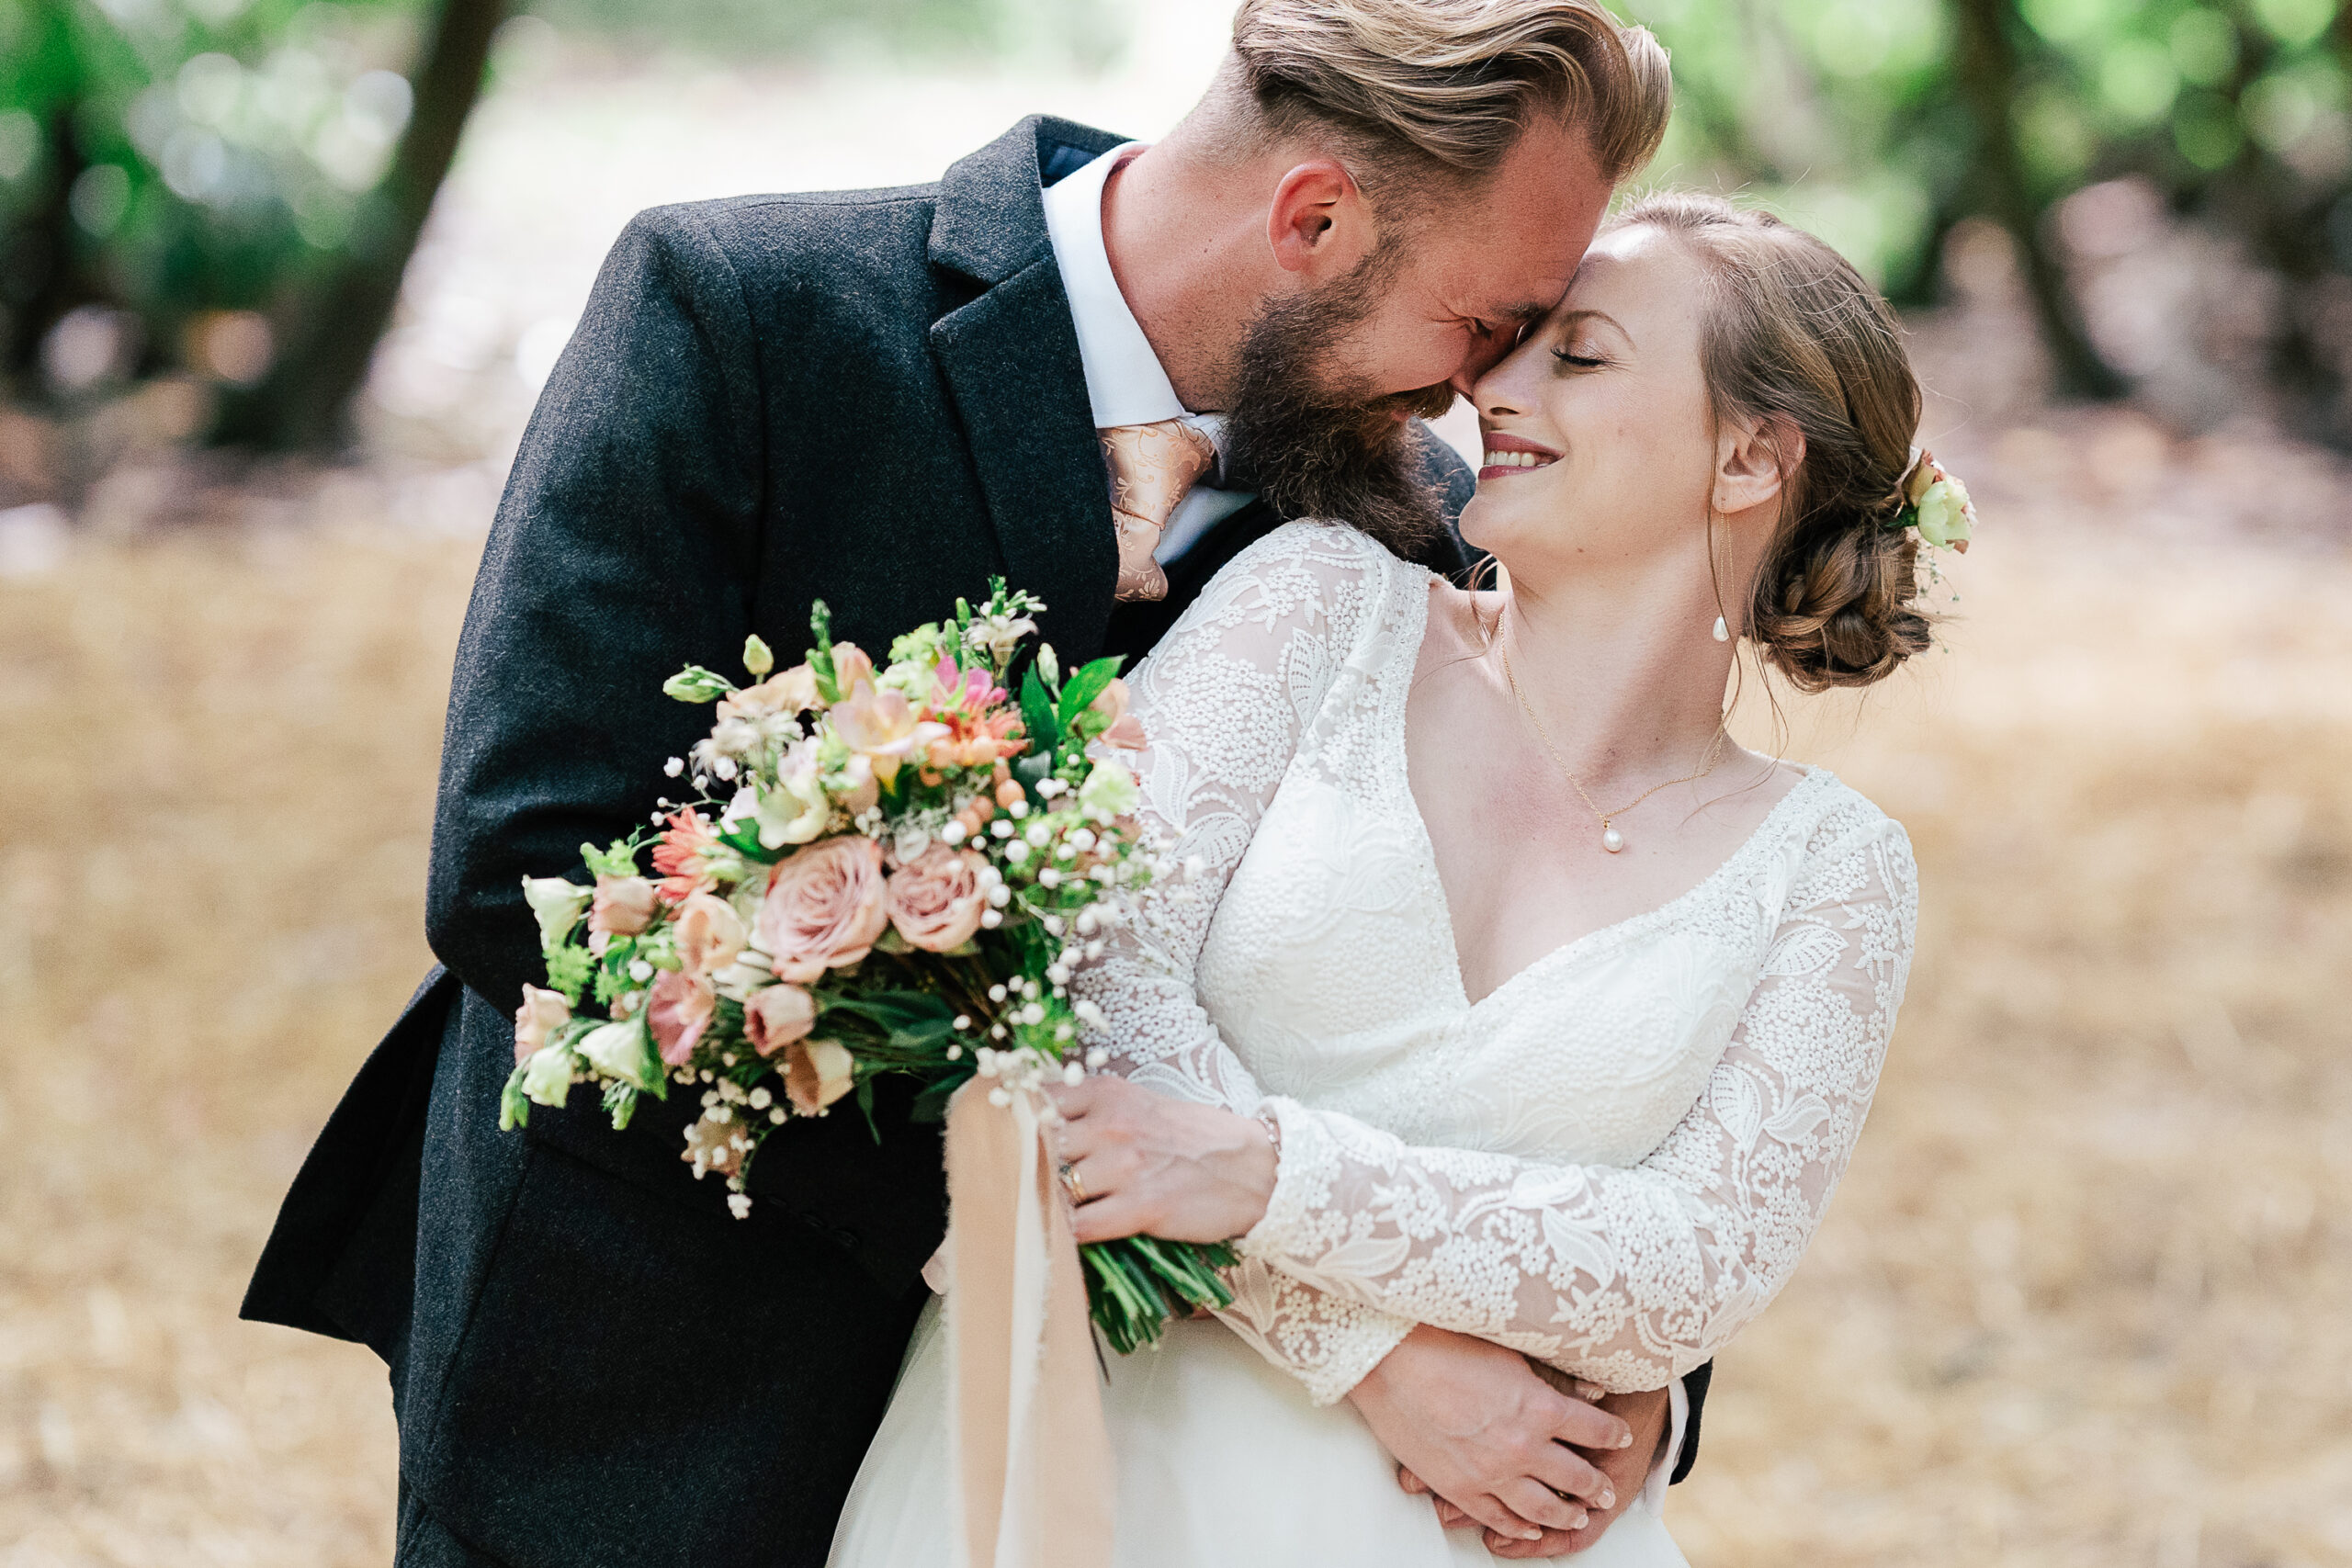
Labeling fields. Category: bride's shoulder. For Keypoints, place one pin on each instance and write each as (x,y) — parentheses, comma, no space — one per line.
(1834,820)
(1310,570)
(1332,549)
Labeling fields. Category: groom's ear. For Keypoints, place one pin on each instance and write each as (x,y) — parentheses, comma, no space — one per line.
(1753,459)
(1319,223)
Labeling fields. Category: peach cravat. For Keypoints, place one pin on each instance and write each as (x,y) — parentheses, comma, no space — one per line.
(1151,468)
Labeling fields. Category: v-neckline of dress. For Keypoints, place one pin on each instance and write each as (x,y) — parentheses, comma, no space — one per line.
(1616,931)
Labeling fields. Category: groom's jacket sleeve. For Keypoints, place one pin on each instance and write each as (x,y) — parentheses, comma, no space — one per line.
(624,547)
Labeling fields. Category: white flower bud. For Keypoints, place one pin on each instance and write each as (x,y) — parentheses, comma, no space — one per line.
(1016,852)
(963,1021)
(640,970)
(739,1205)
(1053,923)
(991,919)
(724,767)
(776,1116)
(1017,810)
(996,993)
(1096,1059)
(1087,922)
(1073,1073)
(1001,827)
(952,835)
(1038,835)
(1048,877)
(674,766)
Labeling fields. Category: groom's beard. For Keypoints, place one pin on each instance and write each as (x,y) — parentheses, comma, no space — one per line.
(1308,437)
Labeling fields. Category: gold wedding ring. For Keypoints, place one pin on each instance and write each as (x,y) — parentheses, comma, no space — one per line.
(1073,1183)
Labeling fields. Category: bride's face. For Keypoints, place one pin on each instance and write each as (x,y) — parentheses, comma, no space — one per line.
(1600,445)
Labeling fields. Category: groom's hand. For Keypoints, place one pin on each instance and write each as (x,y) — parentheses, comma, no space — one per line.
(1628,1470)
(1475,1424)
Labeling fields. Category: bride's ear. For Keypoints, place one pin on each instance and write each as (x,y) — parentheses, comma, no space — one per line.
(1753,457)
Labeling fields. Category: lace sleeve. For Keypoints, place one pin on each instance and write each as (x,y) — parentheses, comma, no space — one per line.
(1630,1277)
(1228,701)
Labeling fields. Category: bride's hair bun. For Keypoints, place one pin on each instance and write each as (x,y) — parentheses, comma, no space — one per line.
(1797,339)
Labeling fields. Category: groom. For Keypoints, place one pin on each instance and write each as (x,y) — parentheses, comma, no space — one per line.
(1098,371)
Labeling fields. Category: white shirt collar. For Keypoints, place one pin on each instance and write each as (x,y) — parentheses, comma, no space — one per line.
(1123,381)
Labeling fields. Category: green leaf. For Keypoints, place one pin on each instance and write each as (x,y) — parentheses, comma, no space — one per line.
(866,1104)
(696,684)
(931,1106)
(514,1105)
(620,860)
(910,1020)
(1037,717)
(620,1103)
(1085,686)
(820,657)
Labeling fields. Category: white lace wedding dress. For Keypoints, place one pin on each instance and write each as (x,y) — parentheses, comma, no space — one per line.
(1611,1162)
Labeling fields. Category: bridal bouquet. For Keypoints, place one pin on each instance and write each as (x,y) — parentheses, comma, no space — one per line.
(906,868)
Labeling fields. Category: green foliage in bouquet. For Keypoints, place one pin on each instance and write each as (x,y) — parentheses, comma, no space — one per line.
(906,870)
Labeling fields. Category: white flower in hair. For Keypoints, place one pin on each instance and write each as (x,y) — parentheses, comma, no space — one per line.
(1937,505)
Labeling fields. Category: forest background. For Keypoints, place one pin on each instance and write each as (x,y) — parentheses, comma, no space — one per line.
(278,283)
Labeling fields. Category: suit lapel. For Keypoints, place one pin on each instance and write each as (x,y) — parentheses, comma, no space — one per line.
(1010,358)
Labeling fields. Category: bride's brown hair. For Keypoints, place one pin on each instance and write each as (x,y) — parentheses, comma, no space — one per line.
(1797,341)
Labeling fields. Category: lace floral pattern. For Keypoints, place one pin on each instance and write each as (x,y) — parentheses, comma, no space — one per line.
(1614,1160)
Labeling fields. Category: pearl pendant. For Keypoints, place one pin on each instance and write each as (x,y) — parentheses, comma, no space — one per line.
(1723,632)
(1611,839)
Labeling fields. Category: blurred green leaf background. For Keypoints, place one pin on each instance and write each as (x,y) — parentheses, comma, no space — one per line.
(226,190)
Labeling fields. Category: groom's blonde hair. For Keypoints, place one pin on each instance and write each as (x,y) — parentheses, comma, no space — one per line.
(1446,87)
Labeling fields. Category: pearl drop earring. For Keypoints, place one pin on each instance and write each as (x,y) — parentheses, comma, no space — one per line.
(1723,632)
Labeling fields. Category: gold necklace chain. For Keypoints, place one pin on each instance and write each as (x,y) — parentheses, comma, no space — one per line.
(1610,838)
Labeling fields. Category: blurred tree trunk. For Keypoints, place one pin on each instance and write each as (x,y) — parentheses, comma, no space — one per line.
(305,401)
(1986,65)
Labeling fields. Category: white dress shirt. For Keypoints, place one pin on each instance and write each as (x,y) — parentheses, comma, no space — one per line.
(1123,379)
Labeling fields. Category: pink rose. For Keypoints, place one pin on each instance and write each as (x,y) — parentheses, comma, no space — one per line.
(935,899)
(816,1073)
(823,908)
(709,934)
(537,1020)
(623,906)
(776,1016)
(677,1010)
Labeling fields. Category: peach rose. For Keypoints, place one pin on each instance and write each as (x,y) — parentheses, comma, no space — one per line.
(677,1010)
(1120,728)
(935,899)
(823,908)
(709,934)
(537,1020)
(622,907)
(776,1016)
(816,1073)
(790,692)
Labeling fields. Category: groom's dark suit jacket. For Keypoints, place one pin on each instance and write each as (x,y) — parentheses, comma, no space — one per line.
(870,397)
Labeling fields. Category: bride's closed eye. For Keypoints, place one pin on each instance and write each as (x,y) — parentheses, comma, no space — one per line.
(1571,358)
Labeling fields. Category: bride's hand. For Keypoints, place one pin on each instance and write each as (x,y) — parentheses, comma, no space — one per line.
(1137,1163)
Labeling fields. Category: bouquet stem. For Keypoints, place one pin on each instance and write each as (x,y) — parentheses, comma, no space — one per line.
(1136,1284)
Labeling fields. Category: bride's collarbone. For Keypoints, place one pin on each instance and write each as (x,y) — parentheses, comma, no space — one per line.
(1521,859)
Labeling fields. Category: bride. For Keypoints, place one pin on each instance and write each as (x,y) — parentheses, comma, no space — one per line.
(1516,1000)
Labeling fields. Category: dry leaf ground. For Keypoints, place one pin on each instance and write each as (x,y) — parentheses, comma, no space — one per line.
(2084,1299)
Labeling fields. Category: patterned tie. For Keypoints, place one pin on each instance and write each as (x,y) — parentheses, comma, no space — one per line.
(1151,468)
